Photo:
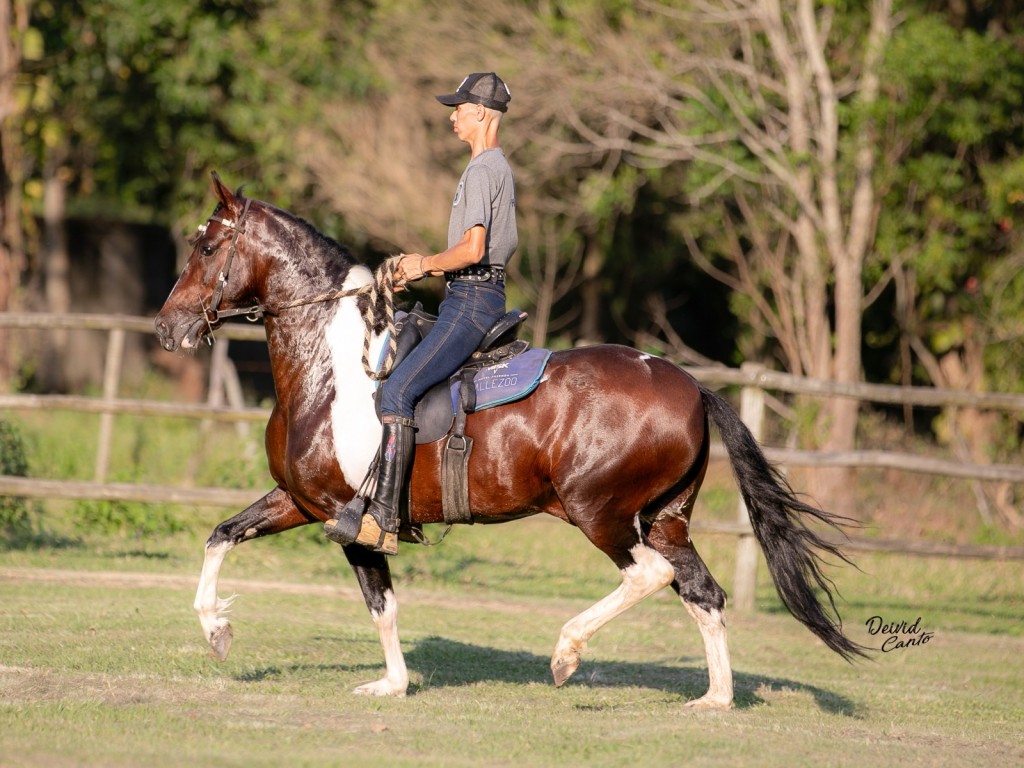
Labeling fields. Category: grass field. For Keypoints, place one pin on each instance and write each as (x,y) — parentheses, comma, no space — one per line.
(102,662)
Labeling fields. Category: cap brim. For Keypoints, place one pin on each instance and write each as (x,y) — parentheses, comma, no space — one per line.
(451,99)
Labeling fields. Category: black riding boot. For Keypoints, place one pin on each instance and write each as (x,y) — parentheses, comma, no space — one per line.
(377,528)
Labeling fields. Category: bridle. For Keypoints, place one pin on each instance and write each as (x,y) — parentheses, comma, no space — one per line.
(383,285)
(213,313)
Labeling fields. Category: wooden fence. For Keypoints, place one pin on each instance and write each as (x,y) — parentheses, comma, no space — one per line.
(753,380)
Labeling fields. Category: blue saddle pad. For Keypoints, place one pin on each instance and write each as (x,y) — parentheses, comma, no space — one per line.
(506,381)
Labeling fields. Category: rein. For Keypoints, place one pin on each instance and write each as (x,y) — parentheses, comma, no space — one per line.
(383,286)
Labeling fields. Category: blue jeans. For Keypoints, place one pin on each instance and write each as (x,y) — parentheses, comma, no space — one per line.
(466,314)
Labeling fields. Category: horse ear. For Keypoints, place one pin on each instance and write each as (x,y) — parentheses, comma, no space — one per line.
(224,194)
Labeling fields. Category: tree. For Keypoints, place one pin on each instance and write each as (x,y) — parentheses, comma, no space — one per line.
(826,166)
(950,225)
(772,108)
(13,26)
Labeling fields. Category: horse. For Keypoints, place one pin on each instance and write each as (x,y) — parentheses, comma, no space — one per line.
(613,441)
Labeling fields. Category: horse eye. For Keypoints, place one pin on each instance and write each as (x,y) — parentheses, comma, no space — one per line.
(207,250)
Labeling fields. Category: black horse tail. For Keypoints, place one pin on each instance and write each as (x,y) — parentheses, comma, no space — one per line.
(791,549)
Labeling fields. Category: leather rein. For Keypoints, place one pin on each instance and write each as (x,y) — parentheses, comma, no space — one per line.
(383,284)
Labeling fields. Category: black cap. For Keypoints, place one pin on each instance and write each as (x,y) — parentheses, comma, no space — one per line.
(484,88)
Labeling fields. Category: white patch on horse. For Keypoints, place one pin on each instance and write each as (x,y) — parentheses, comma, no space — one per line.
(212,609)
(716,648)
(649,573)
(353,418)
(396,679)
(652,364)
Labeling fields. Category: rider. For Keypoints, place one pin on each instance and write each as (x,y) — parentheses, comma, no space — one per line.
(482,237)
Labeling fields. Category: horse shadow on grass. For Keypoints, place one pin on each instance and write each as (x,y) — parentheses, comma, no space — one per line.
(445,663)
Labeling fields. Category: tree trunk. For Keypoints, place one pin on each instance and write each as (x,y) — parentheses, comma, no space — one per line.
(12,259)
(591,294)
(848,250)
(57,270)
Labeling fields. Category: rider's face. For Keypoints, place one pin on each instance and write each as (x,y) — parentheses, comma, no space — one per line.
(466,120)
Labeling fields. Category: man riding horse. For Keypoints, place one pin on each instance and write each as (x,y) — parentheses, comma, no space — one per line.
(482,237)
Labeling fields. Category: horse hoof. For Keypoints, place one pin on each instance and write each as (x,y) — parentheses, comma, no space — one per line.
(381,688)
(220,642)
(707,703)
(563,669)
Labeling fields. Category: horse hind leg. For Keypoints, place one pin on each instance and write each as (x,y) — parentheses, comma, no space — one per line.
(704,600)
(643,571)
(274,513)
(711,622)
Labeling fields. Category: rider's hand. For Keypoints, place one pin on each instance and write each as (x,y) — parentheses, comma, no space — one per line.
(410,269)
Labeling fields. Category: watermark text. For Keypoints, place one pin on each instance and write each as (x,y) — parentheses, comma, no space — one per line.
(898,634)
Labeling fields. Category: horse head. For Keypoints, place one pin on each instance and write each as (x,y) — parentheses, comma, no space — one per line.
(214,283)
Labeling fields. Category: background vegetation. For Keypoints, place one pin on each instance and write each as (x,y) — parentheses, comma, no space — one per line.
(835,189)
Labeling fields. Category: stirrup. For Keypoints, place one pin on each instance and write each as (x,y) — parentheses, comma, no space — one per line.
(344,528)
(376,538)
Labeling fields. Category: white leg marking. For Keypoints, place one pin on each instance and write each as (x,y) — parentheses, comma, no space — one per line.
(649,573)
(716,647)
(211,608)
(396,680)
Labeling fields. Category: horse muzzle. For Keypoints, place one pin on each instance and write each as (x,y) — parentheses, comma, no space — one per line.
(186,333)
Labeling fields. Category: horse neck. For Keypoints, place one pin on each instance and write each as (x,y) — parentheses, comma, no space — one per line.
(317,349)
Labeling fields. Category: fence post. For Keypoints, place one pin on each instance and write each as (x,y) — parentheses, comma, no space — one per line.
(745,582)
(215,392)
(111,380)
(224,383)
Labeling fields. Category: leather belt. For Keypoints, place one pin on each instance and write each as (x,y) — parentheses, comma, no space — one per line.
(477,273)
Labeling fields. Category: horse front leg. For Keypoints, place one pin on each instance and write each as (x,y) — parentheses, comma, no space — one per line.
(374,577)
(274,513)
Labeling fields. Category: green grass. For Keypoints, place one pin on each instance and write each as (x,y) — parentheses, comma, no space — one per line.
(102,662)
(108,667)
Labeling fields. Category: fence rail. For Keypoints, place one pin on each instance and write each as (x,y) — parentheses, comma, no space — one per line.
(78,321)
(132,407)
(237,498)
(754,381)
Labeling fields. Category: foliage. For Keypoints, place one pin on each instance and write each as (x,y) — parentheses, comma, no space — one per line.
(16,516)
(952,206)
(260,91)
(125,519)
(648,214)
(140,99)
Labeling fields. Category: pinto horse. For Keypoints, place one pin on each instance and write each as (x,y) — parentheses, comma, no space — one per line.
(614,442)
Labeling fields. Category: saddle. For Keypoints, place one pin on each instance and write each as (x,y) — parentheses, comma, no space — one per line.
(502,369)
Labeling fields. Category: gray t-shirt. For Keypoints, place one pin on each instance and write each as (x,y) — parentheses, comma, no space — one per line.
(487,195)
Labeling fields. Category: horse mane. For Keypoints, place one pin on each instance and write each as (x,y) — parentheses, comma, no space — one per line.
(327,242)
(333,256)
(332,252)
